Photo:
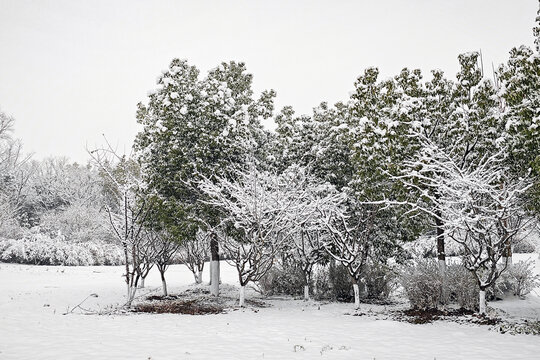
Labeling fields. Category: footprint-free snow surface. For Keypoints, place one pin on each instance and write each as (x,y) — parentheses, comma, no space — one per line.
(34,299)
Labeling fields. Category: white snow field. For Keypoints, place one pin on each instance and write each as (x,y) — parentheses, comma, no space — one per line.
(34,298)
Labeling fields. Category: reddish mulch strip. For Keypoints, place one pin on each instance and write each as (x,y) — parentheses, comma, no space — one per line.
(190,307)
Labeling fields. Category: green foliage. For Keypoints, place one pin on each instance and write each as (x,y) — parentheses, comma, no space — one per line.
(520,89)
(194,129)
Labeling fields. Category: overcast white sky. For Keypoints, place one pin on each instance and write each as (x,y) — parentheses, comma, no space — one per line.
(72,70)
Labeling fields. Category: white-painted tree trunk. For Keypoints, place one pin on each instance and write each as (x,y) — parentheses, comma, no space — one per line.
(131,291)
(356,296)
(444,287)
(242,295)
(442,267)
(142,283)
(164,286)
(214,277)
(306,292)
(199,277)
(482,302)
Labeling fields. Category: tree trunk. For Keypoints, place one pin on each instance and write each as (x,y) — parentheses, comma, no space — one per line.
(132,290)
(164,284)
(242,295)
(482,302)
(142,283)
(214,266)
(441,255)
(507,252)
(356,295)
(307,277)
(198,277)
(306,292)
(507,255)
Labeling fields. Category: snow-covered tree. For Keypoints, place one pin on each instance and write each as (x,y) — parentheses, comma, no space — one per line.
(194,252)
(480,206)
(15,172)
(127,209)
(388,119)
(254,207)
(519,87)
(305,246)
(330,158)
(356,235)
(195,128)
(164,251)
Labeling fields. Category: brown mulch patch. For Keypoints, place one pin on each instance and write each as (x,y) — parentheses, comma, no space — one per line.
(425,316)
(162,297)
(175,306)
(485,320)
(257,303)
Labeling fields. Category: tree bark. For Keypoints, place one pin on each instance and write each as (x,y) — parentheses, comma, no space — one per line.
(507,255)
(307,275)
(242,295)
(441,255)
(164,284)
(132,290)
(210,271)
(214,266)
(198,277)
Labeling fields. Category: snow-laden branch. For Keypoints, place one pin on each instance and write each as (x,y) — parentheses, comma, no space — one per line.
(256,207)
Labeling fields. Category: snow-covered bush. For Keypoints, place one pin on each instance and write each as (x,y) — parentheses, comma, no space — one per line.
(104,253)
(321,283)
(282,279)
(461,286)
(519,279)
(526,246)
(39,249)
(12,230)
(379,282)
(78,223)
(333,282)
(422,283)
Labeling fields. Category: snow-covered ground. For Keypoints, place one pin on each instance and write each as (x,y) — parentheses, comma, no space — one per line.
(33,300)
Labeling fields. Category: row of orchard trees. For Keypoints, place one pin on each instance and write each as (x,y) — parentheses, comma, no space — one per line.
(402,157)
